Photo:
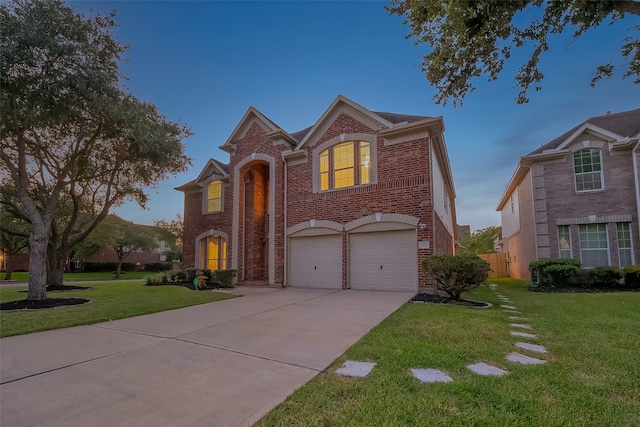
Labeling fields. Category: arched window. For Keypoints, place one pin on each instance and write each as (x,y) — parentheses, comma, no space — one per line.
(587,165)
(337,165)
(213,253)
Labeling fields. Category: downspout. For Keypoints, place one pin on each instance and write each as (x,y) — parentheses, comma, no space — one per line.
(637,183)
(284,229)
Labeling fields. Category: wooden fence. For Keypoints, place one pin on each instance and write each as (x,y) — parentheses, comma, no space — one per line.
(498,264)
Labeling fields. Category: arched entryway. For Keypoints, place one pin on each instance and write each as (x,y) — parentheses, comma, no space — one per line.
(255,223)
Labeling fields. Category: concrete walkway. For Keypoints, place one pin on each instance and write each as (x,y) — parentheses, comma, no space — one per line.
(220,364)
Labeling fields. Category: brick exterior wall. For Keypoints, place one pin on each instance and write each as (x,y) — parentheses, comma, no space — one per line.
(403,187)
(520,247)
(565,205)
(256,214)
(548,198)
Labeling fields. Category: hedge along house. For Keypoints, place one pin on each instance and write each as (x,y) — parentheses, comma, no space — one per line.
(577,196)
(354,201)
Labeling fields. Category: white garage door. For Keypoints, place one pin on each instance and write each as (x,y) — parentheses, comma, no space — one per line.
(316,262)
(385,260)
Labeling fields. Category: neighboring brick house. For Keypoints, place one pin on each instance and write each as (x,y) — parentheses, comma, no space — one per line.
(577,196)
(354,201)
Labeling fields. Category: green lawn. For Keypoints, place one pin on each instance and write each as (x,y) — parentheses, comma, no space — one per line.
(23,276)
(115,300)
(592,375)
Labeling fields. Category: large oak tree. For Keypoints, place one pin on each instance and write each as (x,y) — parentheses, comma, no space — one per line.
(73,141)
(469,39)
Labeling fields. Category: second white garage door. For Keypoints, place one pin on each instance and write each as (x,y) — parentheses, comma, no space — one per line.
(316,262)
(385,260)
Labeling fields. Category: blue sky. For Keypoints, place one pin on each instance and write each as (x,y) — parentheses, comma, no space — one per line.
(205,63)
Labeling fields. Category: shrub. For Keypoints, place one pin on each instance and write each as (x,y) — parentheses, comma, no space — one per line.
(581,278)
(456,274)
(225,277)
(536,268)
(632,276)
(559,275)
(157,280)
(191,274)
(606,277)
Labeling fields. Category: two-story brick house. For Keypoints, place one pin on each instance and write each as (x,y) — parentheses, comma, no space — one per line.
(354,201)
(578,196)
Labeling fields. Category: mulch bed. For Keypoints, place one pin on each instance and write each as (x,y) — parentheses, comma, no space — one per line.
(437,299)
(42,304)
(64,288)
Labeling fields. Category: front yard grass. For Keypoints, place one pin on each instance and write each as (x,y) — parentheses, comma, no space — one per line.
(112,301)
(592,375)
(23,276)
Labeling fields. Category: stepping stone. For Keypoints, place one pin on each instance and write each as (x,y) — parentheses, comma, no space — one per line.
(510,307)
(532,347)
(482,368)
(523,334)
(517,318)
(355,369)
(431,376)
(493,286)
(525,360)
(520,325)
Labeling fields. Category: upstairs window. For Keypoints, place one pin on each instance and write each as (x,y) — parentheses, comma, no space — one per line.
(337,165)
(214,196)
(588,169)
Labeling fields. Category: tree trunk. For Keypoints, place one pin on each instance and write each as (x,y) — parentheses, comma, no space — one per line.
(38,242)
(118,269)
(8,268)
(55,266)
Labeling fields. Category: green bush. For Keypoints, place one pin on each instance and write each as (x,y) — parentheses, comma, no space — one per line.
(606,277)
(536,268)
(581,278)
(632,276)
(559,275)
(456,274)
(225,277)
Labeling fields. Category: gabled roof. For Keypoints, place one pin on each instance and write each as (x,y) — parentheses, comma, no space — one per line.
(616,128)
(213,167)
(251,116)
(343,104)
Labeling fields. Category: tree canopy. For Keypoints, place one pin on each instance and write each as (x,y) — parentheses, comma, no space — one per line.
(480,241)
(73,141)
(473,38)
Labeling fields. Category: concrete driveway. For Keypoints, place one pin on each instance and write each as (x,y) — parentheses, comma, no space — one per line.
(219,364)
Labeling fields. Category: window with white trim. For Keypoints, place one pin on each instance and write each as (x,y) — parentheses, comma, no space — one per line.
(625,250)
(587,165)
(214,196)
(594,245)
(338,168)
(564,241)
(213,253)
